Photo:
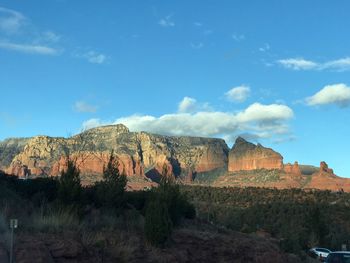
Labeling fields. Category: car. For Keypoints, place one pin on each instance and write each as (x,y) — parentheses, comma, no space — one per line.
(338,257)
(319,252)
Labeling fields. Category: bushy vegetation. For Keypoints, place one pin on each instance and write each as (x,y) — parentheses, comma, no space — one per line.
(299,219)
(69,187)
(166,207)
(57,205)
(158,224)
(209,177)
(110,191)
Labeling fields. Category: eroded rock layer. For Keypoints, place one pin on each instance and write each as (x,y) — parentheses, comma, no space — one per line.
(293,169)
(141,154)
(137,153)
(246,156)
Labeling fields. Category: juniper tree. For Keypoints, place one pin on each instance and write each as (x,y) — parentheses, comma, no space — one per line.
(158,224)
(69,187)
(111,189)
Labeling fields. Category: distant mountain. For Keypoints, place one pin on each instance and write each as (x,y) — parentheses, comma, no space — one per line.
(9,148)
(141,155)
(248,156)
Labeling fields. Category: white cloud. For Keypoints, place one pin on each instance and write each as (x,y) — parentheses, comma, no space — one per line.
(10,21)
(15,28)
(342,64)
(298,64)
(92,123)
(265,113)
(28,48)
(190,105)
(93,57)
(338,94)
(261,121)
(166,22)
(238,94)
(187,105)
(82,106)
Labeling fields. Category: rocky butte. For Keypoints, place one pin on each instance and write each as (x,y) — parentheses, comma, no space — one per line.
(141,155)
(248,156)
(138,153)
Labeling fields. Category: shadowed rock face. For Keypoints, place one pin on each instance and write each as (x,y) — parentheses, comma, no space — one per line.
(9,148)
(145,154)
(137,153)
(248,156)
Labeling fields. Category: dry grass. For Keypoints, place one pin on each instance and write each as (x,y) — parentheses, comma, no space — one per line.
(54,220)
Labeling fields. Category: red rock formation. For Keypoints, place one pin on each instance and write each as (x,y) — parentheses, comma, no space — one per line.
(325,179)
(164,167)
(19,170)
(248,156)
(42,154)
(212,158)
(294,169)
(92,163)
(324,168)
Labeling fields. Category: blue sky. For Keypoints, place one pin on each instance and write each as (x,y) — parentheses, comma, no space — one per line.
(277,73)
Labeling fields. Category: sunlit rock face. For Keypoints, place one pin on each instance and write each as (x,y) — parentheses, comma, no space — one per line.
(325,179)
(248,156)
(293,169)
(137,153)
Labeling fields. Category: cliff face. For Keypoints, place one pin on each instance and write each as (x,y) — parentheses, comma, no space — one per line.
(9,148)
(137,153)
(144,154)
(247,156)
(293,170)
(326,179)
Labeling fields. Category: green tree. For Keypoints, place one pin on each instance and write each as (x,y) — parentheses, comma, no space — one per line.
(176,202)
(69,187)
(158,225)
(111,190)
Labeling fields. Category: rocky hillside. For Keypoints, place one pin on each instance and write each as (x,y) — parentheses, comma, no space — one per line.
(142,154)
(138,153)
(258,166)
(9,148)
(248,156)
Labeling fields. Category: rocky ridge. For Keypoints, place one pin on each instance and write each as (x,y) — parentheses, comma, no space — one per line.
(137,153)
(142,155)
(248,156)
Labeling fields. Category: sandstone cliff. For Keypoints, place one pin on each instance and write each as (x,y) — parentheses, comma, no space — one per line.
(137,153)
(293,170)
(9,148)
(325,179)
(247,156)
(143,154)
